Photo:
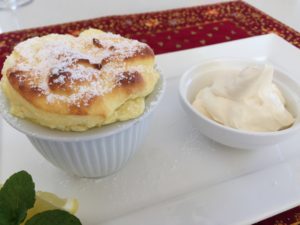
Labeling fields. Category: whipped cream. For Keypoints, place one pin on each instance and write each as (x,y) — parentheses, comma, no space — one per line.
(246,100)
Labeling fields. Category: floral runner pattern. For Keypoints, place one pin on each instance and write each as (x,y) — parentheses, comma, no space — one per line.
(171,30)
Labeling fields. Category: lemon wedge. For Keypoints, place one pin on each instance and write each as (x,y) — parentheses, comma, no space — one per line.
(48,201)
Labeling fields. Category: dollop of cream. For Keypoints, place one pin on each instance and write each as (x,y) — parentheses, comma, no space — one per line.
(246,100)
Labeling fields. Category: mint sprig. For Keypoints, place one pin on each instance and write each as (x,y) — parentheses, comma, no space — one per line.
(17,196)
(53,217)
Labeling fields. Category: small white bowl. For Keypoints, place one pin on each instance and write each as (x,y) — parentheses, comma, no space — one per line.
(201,75)
(97,152)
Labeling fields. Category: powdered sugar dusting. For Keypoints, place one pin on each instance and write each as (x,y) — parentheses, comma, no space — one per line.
(72,69)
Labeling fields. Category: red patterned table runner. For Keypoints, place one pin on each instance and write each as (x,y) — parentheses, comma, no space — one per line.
(178,29)
(172,30)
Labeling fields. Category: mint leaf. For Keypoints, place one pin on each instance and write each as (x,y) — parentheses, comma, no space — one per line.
(53,217)
(16,196)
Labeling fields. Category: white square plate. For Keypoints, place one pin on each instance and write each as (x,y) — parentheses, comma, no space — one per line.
(178,176)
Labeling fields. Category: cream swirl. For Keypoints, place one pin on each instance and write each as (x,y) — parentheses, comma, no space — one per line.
(246,100)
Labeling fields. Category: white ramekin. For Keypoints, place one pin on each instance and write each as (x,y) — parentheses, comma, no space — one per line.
(95,153)
(192,81)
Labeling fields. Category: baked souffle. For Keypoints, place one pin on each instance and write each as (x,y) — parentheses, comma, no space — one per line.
(76,83)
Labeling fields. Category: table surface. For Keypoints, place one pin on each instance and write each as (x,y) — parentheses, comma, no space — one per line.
(44,12)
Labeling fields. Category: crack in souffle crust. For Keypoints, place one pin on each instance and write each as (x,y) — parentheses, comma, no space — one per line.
(92,74)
